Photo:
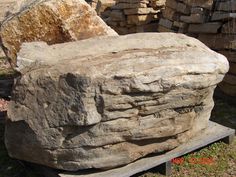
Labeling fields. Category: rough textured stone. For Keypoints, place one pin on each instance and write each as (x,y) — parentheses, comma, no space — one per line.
(1,53)
(9,7)
(52,21)
(82,105)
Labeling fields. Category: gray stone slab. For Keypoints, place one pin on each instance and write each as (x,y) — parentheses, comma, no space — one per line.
(166,23)
(213,133)
(193,18)
(217,16)
(205,27)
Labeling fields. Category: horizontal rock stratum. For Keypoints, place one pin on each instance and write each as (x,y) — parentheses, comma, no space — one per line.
(52,21)
(105,102)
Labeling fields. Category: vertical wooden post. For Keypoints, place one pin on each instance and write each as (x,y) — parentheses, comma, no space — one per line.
(165,168)
(229,139)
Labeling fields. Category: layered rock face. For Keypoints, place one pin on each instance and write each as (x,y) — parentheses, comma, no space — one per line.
(81,105)
(52,21)
(211,21)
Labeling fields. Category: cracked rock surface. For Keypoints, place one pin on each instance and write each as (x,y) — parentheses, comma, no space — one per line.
(105,102)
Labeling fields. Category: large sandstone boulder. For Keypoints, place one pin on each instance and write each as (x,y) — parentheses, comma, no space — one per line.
(52,21)
(105,102)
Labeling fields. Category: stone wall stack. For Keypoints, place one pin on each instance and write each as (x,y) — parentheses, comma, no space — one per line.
(128,16)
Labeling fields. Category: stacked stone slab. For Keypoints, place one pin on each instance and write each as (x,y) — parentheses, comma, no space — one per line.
(128,16)
(187,16)
(101,5)
(211,21)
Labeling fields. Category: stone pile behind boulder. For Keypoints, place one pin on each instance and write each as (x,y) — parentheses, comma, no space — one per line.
(188,16)
(133,16)
(211,21)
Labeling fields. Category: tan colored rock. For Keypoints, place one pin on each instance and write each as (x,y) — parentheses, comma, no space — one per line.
(131,5)
(9,7)
(141,11)
(102,5)
(156,4)
(113,101)
(141,19)
(52,21)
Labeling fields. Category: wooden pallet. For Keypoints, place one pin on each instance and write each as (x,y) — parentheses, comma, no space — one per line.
(213,133)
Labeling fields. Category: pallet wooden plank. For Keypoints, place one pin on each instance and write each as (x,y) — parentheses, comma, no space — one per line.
(229,139)
(213,133)
(165,168)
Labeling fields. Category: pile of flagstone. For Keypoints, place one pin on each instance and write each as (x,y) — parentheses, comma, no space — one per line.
(133,16)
